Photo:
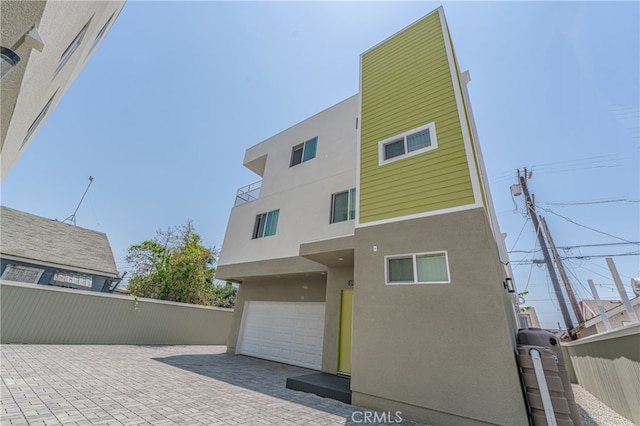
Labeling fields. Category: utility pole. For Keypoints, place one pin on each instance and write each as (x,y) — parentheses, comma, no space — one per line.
(563,273)
(531,211)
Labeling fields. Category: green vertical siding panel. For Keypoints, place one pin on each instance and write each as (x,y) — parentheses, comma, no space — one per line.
(406,83)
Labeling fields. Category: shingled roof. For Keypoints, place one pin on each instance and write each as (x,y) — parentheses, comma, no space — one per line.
(35,239)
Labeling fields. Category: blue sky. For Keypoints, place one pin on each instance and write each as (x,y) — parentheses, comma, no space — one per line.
(164,110)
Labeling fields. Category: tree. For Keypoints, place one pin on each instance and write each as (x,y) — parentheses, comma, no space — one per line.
(173,266)
(224,296)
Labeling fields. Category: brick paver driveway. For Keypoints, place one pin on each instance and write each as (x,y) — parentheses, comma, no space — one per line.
(158,385)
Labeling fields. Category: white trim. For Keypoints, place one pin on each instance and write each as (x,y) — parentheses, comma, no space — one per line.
(415,268)
(475,184)
(243,323)
(403,136)
(421,215)
(493,218)
(358,145)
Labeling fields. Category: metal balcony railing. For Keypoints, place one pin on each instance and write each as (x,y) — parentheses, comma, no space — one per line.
(248,193)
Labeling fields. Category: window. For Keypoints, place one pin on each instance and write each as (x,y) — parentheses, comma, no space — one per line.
(343,206)
(266,224)
(303,152)
(421,268)
(407,144)
(22,274)
(64,277)
(70,49)
(37,121)
(101,33)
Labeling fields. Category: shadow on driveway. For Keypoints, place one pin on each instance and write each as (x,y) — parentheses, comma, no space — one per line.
(270,378)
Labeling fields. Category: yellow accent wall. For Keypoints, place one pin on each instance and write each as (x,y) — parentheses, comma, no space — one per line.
(406,83)
(346,318)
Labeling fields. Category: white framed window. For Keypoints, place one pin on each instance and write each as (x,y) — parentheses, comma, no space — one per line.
(304,151)
(343,206)
(408,144)
(266,224)
(66,277)
(417,268)
(23,274)
(71,48)
(37,121)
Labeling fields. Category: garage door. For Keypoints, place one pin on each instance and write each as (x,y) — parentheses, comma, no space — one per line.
(289,332)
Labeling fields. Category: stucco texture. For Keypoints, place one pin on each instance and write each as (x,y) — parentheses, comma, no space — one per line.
(447,351)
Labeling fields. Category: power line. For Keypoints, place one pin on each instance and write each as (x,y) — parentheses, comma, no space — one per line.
(582,203)
(590,256)
(520,234)
(580,246)
(584,226)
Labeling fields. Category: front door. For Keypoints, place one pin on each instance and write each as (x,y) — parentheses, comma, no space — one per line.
(346,317)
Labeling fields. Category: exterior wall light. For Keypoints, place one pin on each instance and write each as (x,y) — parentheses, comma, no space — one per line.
(8,60)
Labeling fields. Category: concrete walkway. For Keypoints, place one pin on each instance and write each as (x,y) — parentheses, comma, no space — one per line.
(165,385)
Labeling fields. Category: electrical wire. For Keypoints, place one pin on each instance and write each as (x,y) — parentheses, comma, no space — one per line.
(530,269)
(585,257)
(584,226)
(583,203)
(520,234)
(579,246)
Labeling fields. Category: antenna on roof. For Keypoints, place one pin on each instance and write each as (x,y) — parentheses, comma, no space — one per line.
(72,218)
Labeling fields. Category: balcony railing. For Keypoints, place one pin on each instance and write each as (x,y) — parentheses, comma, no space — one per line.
(248,193)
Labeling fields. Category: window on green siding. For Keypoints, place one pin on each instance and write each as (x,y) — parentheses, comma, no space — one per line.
(266,224)
(303,152)
(418,140)
(394,149)
(420,268)
(407,144)
(343,206)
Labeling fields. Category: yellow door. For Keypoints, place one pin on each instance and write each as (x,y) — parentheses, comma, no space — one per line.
(346,316)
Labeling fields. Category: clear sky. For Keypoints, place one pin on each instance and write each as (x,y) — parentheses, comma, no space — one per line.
(164,110)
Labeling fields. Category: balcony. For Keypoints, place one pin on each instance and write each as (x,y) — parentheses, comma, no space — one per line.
(248,193)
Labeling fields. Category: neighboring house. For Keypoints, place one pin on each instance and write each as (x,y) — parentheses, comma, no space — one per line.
(45,45)
(616,313)
(38,250)
(529,317)
(371,247)
(590,310)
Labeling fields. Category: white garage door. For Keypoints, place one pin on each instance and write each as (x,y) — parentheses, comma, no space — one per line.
(289,332)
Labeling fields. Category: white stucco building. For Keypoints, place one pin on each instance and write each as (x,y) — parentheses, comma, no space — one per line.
(45,45)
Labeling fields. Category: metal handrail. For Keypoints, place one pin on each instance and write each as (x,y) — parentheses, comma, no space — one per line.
(248,193)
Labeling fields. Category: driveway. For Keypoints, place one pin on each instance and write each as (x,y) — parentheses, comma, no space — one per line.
(166,385)
(158,385)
